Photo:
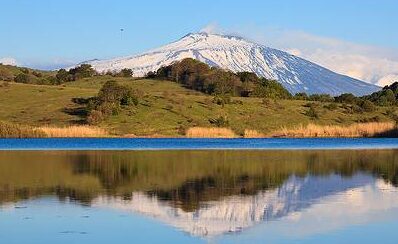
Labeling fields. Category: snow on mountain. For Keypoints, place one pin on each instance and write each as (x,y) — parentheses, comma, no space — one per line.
(238,54)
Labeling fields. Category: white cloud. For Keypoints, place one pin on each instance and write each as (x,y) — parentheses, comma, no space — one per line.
(8,61)
(373,64)
(211,28)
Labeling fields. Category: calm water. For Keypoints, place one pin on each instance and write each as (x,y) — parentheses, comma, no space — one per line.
(194,144)
(198,196)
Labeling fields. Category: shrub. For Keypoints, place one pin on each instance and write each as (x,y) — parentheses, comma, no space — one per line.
(367,106)
(95,117)
(222,99)
(331,106)
(321,98)
(22,78)
(63,76)
(271,89)
(346,98)
(37,74)
(24,70)
(82,71)
(221,121)
(109,101)
(301,96)
(126,73)
(312,113)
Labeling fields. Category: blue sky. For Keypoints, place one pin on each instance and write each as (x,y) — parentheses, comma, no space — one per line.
(48,33)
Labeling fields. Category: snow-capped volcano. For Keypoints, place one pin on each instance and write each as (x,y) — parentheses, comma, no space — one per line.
(238,54)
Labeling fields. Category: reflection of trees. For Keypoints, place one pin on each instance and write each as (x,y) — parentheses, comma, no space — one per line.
(184,178)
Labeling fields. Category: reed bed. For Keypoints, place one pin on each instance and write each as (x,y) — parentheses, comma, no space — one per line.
(203,132)
(74,132)
(19,131)
(253,134)
(374,129)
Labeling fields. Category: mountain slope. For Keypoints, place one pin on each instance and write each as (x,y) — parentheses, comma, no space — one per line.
(237,54)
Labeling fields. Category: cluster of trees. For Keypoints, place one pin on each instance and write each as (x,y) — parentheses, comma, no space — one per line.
(110,100)
(122,73)
(388,96)
(199,76)
(223,84)
(62,76)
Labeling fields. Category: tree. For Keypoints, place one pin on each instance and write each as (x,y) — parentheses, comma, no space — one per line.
(62,76)
(271,89)
(82,71)
(222,83)
(301,96)
(367,106)
(346,98)
(126,73)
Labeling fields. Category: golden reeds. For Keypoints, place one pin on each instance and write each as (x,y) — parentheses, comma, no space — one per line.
(203,132)
(253,134)
(355,130)
(74,131)
(8,130)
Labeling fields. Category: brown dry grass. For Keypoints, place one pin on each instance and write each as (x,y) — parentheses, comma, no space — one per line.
(74,131)
(203,132)
(355,130)
(253,134)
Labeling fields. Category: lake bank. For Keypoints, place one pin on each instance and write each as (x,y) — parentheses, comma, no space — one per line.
(358,130)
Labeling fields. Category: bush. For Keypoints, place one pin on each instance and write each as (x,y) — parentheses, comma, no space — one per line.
(331,106)
(126,73)
(367,106)
(271,89)
(221,121)
(301,96)
(63,76)
(95,117)
(109,101)
(222,100)
(321,98)
(22,78)
(82,71)
(312,113)
(37,74)
(346,98)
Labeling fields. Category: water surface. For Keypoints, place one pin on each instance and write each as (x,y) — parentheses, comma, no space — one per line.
(196,144)
(199,196)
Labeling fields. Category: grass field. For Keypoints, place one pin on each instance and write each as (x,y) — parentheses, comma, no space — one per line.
(166,109)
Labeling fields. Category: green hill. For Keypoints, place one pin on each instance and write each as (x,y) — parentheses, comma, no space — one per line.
(167,108)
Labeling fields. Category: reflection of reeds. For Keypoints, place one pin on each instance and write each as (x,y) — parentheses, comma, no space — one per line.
(202,132)
(355,130)
(19,131)
(74,131)
(253,134)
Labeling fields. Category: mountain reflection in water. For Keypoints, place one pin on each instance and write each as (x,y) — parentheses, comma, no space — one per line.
(204,193)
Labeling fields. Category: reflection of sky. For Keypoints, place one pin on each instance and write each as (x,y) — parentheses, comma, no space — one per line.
(310,210)
(47,221)
(367,214)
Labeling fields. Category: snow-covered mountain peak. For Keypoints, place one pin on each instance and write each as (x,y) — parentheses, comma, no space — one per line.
(238,54)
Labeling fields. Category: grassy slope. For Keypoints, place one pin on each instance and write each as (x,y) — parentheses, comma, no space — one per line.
(166,109)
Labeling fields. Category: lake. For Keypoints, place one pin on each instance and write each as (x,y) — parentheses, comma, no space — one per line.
(178,191)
